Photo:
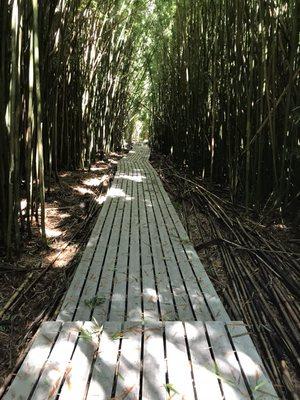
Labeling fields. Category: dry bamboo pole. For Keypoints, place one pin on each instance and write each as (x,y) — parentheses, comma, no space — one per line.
(38,116)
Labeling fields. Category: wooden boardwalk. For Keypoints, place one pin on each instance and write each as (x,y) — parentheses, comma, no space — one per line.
(141,319)
(139,263)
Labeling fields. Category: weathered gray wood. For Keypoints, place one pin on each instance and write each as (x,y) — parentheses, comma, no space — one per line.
(134,308)
(148,279)
(103,261)
(33,363)
(110,262)
(103,374)
(196,300)
(128,383)
(82,361)
(87,273)
(228,370)
(209,292)
(154,364)
(58,362)
(118,300)
(206,381)
(76,378)
(196,297)
(166,300)
(158,255)
(251,362)
(179,367)
(181,296)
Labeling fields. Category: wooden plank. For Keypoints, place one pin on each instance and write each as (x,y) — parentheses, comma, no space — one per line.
(104,370)
(179,368)
(109,240)
(68,307)
(192,286)
(188,250)
(88,280)
(110,262)
(33,363)
(134,307)
(209,291)
(206,381)
(129,368)
(251,363)
(168,311)
(76,378)
(154,363)
(228,369)
(181,296)
(96,232)
(118,300)
(57,363)
(93,240)
(149,289)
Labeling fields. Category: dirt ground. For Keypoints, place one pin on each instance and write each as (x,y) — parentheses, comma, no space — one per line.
(32,285)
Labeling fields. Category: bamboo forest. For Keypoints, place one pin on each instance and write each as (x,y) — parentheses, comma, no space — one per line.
(149,191)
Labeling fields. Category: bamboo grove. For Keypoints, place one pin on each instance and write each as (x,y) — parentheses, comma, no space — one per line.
(216,83)
(64,79)
(225,96)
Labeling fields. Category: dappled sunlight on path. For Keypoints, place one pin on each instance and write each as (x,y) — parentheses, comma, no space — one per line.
(153,326)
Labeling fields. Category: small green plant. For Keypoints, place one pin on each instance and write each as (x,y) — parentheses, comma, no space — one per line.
(117,335)
(170,389)
(87,334)
(94,301)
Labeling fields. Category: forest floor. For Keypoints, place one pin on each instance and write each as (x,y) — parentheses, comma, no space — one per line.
(32,285)
(253,263)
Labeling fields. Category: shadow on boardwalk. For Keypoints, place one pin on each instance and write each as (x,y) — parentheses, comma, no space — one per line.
(166,333)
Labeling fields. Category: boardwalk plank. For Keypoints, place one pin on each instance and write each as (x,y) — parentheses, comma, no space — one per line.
(228,369)
(166,299)
(179,368)
(181,296)
(76,378)
(129,368)
(195,295)
(149,290)
(118,300)
(209,292)
(85,279)
(103,374)
(192,360)
(104,260)
(154,364)
(58,362)
(33,363)
(110,261)
(251,362)
(206,381)
(134,300)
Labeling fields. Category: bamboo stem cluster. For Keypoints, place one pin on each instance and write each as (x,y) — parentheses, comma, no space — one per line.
(64,97)
(226,96)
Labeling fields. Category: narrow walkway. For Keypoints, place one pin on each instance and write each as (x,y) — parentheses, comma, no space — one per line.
(139,263)
(141,319)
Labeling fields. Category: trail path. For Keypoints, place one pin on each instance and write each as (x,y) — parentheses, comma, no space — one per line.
(141,319)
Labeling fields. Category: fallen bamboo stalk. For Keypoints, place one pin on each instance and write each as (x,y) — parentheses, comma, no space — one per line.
(15,295)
